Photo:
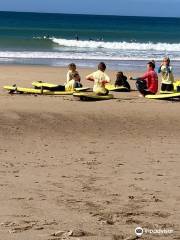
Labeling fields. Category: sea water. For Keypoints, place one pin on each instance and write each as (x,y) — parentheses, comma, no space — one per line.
(124,43)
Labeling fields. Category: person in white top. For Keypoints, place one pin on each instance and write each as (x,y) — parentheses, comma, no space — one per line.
(167,75)
(72,70)
(100,78)
(68,87)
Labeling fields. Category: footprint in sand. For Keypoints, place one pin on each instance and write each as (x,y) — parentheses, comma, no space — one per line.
(141,179)
(20,229)
(161,214)
(117,237)
(157,199)
(92,152)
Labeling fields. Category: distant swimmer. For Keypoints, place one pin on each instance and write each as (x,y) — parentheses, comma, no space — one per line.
(77,37)
(100,39)
(46,36)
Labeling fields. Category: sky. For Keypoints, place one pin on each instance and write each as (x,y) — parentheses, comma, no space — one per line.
(161,8)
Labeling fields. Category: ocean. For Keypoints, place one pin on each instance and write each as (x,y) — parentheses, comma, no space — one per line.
(124,43)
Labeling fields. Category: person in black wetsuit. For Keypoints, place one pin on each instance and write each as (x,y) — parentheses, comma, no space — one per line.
(121,80)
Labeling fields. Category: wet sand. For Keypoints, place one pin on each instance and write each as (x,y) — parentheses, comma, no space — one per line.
(99,169)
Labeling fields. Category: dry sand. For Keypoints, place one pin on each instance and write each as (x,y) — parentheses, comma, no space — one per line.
(98,168)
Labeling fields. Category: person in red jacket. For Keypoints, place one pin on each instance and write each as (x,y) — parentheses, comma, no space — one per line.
(148,83)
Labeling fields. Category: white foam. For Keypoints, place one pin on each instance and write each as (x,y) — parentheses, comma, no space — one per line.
(118,45)
(5,55)
(64,55)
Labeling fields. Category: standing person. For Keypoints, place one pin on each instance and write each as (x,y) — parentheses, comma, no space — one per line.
(167,75)
(148,83)
(100,78)
(121,80)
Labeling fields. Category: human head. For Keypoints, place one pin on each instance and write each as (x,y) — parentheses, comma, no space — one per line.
(102,66)
(76,76)
(153,61)
(166,60)
(72,66)
(119,74)
(151,65)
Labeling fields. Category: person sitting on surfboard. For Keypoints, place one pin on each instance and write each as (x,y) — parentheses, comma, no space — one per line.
(74,82)
(100,79)
(167,76)
(72,69)
(69,87)
(148,83)
(121,80)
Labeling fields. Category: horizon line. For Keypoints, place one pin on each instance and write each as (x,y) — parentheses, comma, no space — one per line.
(90,14)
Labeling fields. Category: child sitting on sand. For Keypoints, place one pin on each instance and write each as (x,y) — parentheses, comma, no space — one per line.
(74,82)
(121,80)
(100,79)
(72,70)
(148,83)
(70,86)
(167,76)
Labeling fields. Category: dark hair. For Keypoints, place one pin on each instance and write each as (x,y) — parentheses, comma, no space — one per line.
(120,73)
(152,64)
(102,66)
(75,74)
(72,65)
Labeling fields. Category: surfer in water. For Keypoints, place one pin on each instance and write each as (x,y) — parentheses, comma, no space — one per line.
(77,37)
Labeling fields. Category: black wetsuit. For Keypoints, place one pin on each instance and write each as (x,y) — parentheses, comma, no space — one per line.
(122,81)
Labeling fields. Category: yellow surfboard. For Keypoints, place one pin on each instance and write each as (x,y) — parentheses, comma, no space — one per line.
(43,84)
(39,85)
(176,85)
(112,87)
(92,96)
(13,89)
(163,96)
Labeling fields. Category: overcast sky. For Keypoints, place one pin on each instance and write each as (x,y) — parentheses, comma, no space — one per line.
(162,8)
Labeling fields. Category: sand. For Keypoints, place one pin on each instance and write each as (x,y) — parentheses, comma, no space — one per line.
(99,169)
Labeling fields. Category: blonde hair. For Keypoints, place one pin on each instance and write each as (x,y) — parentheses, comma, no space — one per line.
(166,59)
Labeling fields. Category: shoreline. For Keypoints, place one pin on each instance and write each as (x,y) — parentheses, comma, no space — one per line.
(131,69)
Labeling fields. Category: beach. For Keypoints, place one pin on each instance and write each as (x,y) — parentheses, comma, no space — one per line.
(86,170)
